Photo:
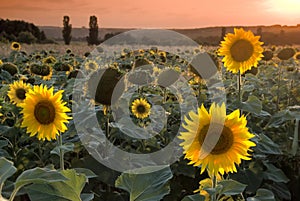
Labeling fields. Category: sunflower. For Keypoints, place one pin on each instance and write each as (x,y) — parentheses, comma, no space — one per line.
(44,70)
(232,145)
(17,92)
(15,46)
(44,113)
(286,53)
(91,65)
(0,112)
(49,60)
(1,62)
(296,56)
(140,108)
(241,50)
(11,68)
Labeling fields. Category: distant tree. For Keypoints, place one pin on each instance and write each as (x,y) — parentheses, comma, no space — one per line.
(259,31)
(108,36)
(26,37)
(67,30)
(43,36)
(223,33)
(92,39)
(11,29)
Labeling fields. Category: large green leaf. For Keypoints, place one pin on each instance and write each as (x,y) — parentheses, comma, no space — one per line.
(262,195)
(68,190)
(231,187)
(7,169)
(65,148)
(274,174)
(3,152)
(253,105)
(196,197)
(252,176)
(39,175)
(146,187)
(265,145)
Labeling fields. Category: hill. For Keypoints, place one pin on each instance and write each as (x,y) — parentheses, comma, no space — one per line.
(275,34)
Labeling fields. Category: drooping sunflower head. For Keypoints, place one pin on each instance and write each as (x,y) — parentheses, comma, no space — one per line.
(11,68)
(44,113)
(286,53)
(66,67)
(268,55)
(241,50)
(17,92)
(44,70)
(140,108)
(49,60)
(15,46)
(215,141)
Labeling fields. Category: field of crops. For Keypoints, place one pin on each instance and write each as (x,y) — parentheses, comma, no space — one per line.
(154,123)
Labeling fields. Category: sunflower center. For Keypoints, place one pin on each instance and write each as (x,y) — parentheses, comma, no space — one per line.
(241,50)
(16,45)
(46,71)
(21,93)
(141,109)
(44,112)
(225,140)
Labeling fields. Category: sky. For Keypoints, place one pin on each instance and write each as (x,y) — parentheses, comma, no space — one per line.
(154,13)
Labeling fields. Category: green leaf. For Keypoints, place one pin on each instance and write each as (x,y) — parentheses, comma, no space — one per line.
(262,195)
(231,187)
(7,169)
(145,187)
(196,197)
(252,176)
(253,105)
(66,148)
(39,175)
(3,152)
(87,196)
(266,145)
(62,190)
(88,173)
(281,117)
(280,190)
(274,174)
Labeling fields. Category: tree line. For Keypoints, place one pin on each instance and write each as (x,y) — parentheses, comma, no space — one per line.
(17,30)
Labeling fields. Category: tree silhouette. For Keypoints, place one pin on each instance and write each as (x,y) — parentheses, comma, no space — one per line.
(11,29)
(67,30)
(92,39)
(223,33)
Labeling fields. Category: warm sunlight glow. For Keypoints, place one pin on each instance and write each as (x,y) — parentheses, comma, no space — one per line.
(285,7)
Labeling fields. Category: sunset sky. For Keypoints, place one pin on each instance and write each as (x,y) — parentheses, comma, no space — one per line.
(154,13)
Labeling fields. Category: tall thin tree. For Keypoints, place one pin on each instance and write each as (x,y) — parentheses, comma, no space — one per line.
(92,39)
(67,30)
(223,33)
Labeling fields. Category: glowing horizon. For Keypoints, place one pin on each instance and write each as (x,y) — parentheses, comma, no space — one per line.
(154,14)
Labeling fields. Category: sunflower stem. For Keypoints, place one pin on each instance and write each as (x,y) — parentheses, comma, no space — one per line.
(214,184)
(165,95)
(107,129)
(61,152)
(239,85)
(278,87)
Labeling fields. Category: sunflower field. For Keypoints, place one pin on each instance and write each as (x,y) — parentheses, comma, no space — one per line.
(147,124)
